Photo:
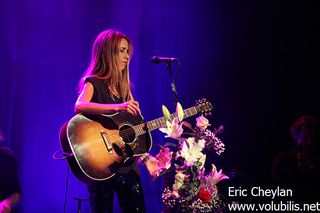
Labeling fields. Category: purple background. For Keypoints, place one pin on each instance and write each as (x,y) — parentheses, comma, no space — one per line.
(256,61)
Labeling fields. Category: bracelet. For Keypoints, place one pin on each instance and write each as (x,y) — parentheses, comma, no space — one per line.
(144,159)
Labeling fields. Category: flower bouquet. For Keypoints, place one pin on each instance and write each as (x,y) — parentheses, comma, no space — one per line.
(193,190)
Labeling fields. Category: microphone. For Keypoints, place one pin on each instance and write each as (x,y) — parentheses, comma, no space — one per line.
(158,60)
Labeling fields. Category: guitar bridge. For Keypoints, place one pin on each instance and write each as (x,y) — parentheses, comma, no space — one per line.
(106,141)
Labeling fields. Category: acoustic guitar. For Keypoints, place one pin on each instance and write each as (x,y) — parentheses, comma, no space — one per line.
(98,145)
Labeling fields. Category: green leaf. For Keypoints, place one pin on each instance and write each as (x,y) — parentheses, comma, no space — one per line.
(160,146)
(187,124)
(170,144)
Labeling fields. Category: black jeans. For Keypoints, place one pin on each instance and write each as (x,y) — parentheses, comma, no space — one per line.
(129,192)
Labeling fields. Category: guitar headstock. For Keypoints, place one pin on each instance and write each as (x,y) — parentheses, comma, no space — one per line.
(204,107)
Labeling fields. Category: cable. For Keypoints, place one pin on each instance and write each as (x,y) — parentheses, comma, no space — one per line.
(65,155)
(66,192)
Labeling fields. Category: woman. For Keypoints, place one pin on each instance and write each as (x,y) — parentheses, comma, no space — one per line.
(105,88)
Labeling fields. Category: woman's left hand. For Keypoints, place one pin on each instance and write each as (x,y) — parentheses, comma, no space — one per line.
(152,166)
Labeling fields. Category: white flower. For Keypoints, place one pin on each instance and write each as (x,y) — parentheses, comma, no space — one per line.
(202,122)
(178,180)
(215,177)
(179,111)
(174,129)
(191,150)
(166,113)
(175,194)
(202,160)
(178,183)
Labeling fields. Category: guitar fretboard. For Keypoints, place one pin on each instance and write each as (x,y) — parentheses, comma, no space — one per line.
(161,122)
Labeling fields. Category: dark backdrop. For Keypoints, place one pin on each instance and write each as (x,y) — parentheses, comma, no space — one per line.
(256,61)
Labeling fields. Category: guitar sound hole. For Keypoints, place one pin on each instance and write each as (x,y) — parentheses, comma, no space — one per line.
(127,134)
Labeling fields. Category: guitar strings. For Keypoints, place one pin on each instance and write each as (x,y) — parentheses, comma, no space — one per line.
(139,128)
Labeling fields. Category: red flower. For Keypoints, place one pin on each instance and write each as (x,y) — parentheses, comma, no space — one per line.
(204,195)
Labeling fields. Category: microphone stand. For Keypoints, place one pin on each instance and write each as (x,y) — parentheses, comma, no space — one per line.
(168,177)
(173,86)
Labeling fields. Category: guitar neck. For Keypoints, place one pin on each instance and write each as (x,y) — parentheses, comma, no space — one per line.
(161,122)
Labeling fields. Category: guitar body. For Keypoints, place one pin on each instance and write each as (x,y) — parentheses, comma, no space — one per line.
(101,144)
(98,145)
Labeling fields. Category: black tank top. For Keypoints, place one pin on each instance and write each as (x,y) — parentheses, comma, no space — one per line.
(101,93)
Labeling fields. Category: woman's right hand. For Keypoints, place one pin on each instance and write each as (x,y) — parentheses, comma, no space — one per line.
(131,107)
(5,206)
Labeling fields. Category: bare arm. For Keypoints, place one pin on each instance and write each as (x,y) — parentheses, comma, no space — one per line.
(83,104)
(7,204)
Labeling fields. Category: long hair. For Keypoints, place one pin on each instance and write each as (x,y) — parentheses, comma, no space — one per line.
(103,64)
